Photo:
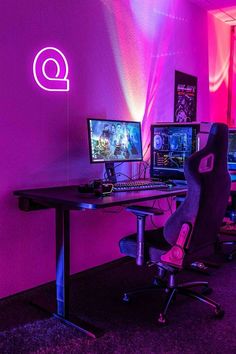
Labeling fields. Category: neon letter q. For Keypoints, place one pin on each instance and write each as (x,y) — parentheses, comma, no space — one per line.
(50,69)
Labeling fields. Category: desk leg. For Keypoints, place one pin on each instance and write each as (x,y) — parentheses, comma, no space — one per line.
(63,276)
(62,261)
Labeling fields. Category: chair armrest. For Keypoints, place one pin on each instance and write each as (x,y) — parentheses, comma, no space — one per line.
(142,212)
(175,256)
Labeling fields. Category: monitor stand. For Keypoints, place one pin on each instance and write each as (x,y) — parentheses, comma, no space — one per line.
(110,171)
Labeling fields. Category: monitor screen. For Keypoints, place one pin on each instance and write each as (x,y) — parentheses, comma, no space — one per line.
(232,150)
(114,140)
(171,145)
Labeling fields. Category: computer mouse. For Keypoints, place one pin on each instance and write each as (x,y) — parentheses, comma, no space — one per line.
(170,183)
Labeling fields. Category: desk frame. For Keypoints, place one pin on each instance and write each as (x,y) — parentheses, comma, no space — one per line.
(64,199)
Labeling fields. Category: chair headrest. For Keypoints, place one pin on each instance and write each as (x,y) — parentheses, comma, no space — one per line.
(219,134)
(213,157)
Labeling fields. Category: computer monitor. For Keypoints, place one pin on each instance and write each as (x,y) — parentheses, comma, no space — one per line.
(114,141)
(232,150)
(171,145)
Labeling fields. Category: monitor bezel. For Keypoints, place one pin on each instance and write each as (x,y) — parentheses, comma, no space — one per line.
(231,165)
(169,173)
(118,121)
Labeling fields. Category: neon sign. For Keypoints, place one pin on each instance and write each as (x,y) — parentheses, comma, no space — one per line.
(50,69)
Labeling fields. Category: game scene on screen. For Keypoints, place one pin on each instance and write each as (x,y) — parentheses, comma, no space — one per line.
(115,141)
(232,147)
(172,146)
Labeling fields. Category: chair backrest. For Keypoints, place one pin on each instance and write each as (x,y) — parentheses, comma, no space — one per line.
(208,184)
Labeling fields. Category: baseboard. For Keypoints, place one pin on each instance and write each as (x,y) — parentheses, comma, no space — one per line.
(99,268)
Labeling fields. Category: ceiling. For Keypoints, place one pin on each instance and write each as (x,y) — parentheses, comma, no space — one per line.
(225,10)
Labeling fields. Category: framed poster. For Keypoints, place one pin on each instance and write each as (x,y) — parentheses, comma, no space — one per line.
(185,106)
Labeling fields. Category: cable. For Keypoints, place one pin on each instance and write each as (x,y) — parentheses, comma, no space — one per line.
(119,164)
(169,202)
(105,177)
(170,209)
(123,174)
(145,167)
(139,168)
(143,162)
(153,223)
(146,149)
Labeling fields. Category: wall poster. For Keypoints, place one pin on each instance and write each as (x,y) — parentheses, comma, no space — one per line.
(185,105)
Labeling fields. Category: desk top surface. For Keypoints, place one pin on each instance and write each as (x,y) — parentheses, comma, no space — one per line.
(69,197)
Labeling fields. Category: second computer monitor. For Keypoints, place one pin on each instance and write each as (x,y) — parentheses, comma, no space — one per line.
(171,145)
(232,150)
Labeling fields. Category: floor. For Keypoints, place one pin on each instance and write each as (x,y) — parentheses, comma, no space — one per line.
(128,328)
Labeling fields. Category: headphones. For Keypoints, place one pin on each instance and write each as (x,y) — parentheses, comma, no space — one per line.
(98,187)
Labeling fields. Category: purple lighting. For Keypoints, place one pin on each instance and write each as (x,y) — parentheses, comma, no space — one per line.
(50,69)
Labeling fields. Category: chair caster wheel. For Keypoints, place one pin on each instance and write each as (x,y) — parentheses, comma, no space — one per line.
(126,298)
(206,290)
(162,321)
(219,313)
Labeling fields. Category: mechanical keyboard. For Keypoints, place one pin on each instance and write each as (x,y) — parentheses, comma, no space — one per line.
(138,185)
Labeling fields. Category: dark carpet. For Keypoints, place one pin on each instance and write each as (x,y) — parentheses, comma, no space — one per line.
(129,328)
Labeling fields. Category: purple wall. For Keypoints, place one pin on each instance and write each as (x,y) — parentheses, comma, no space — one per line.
(122,56)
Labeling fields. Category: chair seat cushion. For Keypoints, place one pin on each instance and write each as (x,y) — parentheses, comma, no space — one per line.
(154,245)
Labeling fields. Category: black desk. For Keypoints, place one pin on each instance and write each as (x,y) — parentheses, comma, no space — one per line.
(64,199)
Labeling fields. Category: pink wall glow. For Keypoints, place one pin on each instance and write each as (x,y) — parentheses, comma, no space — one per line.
(122,56)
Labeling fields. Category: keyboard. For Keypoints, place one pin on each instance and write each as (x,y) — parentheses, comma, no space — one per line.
(138,185)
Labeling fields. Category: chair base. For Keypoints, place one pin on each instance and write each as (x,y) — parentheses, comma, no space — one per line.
(156,285)
(185,289)
(159,282)
(167,282)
